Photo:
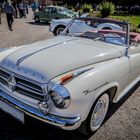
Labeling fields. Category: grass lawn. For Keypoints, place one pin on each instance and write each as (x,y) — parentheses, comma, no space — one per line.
(132,19)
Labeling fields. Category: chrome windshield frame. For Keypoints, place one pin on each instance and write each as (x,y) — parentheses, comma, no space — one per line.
(103,20)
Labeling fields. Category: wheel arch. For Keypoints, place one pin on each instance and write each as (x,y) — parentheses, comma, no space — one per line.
(58,26)
(110,88)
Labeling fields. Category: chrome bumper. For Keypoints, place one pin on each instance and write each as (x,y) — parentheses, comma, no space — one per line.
(62,122)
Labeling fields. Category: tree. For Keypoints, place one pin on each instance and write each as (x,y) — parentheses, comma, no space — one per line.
(116,2)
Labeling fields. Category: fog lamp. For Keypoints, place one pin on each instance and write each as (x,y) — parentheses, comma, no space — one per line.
(43,107)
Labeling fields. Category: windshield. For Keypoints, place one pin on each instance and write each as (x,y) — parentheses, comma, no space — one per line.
(62,10)
(109,31)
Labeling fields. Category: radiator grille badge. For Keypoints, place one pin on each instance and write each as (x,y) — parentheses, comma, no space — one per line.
(12,82)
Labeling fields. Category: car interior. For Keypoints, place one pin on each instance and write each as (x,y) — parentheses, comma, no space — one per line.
(112,36)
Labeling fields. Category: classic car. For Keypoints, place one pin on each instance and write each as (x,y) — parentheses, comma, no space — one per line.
(53,12)
(57,26)
(70,80)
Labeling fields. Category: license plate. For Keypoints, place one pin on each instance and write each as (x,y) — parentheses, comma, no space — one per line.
(12,111)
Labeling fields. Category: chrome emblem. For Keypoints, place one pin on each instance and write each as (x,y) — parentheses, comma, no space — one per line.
(12,82)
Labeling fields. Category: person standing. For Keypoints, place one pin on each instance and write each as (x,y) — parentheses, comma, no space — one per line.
(14,4)
(9,10)
(20,5)
(25,9)
(0,14)
(34,6)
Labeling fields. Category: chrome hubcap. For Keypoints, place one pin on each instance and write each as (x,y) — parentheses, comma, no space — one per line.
(59,31)
(37,19)
(99,112)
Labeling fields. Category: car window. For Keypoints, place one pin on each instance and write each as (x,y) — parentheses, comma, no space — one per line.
(54,10)
(62,10)
(47,10)
(50,10)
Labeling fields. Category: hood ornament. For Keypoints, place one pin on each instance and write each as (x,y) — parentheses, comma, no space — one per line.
(12,82)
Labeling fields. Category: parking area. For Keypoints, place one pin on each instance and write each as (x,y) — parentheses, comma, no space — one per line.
(123,119)
(25,31)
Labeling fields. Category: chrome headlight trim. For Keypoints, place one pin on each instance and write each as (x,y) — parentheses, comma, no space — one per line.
(59,95)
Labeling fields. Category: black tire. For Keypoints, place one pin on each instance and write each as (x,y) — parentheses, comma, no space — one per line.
(85,128)
(58,30)
(37,19)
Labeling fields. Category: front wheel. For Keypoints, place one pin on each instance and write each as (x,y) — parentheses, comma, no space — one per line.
(37,20)
(96,115)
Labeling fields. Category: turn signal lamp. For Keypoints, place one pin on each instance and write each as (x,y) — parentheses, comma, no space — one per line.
(66,79)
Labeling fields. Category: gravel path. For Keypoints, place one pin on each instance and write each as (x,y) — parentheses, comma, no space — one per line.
(122,122)
(24,31)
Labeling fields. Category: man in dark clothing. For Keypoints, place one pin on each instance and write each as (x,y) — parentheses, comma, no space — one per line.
(14,4)
(0,14)
(9,10)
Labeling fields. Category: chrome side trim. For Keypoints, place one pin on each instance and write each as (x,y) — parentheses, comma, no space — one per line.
(127,89)
(67,123)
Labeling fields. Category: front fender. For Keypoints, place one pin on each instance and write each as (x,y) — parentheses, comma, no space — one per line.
(103,76)
(5,52)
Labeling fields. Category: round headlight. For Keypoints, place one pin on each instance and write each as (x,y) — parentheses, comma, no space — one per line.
(60,96)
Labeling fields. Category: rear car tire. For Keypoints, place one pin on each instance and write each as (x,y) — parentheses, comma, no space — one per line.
(58,30)
(96,116)
(37,20)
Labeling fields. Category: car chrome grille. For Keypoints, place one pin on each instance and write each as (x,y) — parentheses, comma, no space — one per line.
(4,77)
(23,86)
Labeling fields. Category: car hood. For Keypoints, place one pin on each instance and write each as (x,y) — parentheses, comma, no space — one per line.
(45,60)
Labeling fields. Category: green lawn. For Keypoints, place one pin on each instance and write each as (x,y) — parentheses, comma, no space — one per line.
(132,19)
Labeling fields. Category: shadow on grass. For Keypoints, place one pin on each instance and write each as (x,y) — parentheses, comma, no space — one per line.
(35,130)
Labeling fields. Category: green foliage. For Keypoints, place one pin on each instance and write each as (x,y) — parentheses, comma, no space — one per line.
(86,7)
(133,28)
(131,18)
(71,8)
(134,21)
(106,8)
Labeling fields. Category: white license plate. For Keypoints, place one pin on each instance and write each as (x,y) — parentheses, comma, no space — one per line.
(12,111)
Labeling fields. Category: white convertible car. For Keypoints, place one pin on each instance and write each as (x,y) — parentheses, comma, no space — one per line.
(57,26)
(70,80)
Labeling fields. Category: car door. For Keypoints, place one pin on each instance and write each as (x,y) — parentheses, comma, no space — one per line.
(134,57)
(80,26)
(54,13)
(46,14)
